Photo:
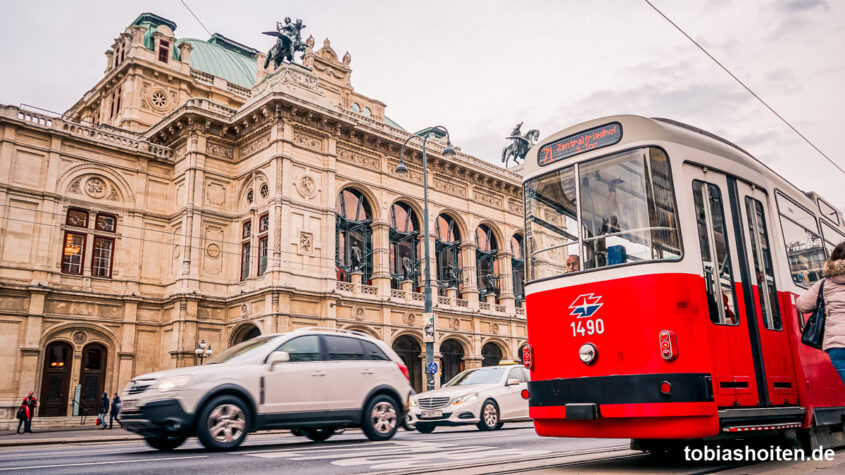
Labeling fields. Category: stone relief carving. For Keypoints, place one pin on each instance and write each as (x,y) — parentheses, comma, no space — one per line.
(455,324)
(495,328)
(74,187)
(244,309)
(255,145)
(515,207)
(410,319)
(213,251)
(359,314)
(356,158)
(487,197)
(308,141)
(445,184)
(216,193)
(95,188)
(306,186)
(414,175)
(80,337)
(306,242)
(219,150)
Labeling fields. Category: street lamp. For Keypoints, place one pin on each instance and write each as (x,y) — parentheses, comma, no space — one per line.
(203,351)
(402,169)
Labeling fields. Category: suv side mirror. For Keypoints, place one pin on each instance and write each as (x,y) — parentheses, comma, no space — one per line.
(277,357)
(513,382)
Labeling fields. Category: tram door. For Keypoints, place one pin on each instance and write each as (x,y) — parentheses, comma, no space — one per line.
(733,353)
(757,209)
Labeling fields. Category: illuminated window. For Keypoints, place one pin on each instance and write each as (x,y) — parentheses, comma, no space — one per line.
(73,253)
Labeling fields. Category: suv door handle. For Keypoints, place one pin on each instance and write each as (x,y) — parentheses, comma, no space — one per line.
(318,373)
(367,371)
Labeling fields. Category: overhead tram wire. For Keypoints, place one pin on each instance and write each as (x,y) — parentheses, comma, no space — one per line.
(746,87)
(196,17)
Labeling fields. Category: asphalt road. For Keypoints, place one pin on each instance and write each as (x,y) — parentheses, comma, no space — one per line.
(515,448)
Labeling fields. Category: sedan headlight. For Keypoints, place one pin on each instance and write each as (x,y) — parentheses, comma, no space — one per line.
(465,399)
(175,382)
(414,402)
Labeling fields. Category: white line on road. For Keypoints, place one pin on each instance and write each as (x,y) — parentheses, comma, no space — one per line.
(32,467)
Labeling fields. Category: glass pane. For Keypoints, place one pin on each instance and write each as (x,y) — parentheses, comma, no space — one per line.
(718,273)
(342,348)
(832,237)
(373,352)
(247,230)
(304,348)
(804,251)
(828,211)
(106,223)
(264,223)
(262,255)
(551,224)
(101,260)
(245,250)
(766,293)
(72,253)
(627,210)
(77,218)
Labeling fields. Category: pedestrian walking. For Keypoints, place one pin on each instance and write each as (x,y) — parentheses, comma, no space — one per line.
(26,412)
(115,411)
(104,409)
(833,293)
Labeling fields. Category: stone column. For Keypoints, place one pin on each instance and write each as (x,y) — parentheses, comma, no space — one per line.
(407,286)
(470,291)
(381,257)
(506,296)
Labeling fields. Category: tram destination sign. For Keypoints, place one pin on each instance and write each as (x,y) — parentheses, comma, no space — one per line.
(581,142)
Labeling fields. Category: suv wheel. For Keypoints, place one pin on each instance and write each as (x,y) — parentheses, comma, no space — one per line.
(165,443)
(223,423)
(425,428)
(489,416)
(319,435)
(381,418)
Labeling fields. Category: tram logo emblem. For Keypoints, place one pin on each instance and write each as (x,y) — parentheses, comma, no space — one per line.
(585,306)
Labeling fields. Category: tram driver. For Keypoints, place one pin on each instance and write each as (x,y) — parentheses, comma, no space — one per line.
(573,263)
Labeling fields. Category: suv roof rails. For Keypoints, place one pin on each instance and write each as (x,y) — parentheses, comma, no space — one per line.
(328,329)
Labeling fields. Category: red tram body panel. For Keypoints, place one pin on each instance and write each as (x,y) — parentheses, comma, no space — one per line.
(678,320)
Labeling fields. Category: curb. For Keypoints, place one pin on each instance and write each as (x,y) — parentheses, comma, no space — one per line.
(25,441)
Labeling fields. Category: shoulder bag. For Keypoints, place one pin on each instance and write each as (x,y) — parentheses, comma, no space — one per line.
(813,333)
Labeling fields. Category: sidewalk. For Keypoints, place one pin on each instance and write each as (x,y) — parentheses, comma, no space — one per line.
(66,436)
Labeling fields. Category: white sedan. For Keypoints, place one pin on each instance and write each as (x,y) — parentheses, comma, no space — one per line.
(486,397)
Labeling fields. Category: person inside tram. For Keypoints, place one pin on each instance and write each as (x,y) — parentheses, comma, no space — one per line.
(833,293)
(573,263)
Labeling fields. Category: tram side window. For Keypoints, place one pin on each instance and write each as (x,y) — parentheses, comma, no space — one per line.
(715,254)
(763,268)
(552,232)
(804,248)
(832,238)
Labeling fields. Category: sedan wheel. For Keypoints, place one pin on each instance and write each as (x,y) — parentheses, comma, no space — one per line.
(223,423)
(489,416)
(381,418)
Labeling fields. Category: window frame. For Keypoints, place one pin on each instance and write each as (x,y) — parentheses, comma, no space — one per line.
(109,215)
(246,250)
(163,51)
(819,203)
(758,252)
(82,252)
(111,256)
(579,243)
(80,210)
(781,217)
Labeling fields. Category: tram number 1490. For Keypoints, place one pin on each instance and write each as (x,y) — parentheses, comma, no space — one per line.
(589,327)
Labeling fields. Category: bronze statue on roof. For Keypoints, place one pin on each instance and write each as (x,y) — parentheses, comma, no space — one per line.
(520,145)
(288,42)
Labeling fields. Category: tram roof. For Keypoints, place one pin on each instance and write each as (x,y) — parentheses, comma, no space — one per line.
(644,131)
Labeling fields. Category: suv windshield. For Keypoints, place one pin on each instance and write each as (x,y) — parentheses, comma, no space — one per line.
(243,351)
(609,211)
(490,375)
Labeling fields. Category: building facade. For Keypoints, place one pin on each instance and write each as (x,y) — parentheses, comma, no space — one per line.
(194,195)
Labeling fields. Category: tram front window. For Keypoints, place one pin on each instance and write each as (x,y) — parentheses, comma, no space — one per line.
(627,214)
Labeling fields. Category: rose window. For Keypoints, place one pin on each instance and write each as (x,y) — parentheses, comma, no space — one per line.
(264,191)
(159,99)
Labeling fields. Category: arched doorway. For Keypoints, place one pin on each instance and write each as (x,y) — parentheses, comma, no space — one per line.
(55,380)
(409,350)
(453,359)
(244,333)
(92,378)
(491,354)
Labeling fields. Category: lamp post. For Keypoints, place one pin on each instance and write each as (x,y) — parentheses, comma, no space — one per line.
(402,169)
(203,351)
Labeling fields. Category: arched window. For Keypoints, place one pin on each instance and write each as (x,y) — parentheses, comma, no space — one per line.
(518,269)
(447,250)
(354,251)
(404,245)
(487,265)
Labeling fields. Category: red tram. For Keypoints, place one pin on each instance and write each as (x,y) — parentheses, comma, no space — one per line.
(664,264)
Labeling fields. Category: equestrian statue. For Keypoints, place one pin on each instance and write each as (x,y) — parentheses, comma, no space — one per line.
(520,145)
(288,42)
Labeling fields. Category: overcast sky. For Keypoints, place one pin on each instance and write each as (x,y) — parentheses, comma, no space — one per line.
(479,67)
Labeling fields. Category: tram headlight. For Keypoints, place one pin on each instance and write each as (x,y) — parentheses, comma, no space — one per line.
(588,353)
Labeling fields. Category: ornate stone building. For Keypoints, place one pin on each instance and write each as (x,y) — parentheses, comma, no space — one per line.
(193,195)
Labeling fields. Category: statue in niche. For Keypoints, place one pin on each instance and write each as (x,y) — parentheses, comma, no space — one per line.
(288,42)
(407,269)
(355,258)
(520,145)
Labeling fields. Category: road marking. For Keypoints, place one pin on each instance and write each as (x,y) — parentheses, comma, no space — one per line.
(32,467)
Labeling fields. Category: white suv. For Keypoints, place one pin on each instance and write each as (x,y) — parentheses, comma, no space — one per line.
(313,381)
(486,397)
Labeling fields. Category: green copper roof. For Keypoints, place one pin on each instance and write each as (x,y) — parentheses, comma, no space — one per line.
(221,62)
(155,20)
(392,124)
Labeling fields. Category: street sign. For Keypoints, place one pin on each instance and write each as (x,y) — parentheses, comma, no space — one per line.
(432,368)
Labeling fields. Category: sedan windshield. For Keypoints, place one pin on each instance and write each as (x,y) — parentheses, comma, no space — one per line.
(243,351)
(489,375)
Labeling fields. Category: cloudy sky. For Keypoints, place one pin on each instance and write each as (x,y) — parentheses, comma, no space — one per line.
(479,67)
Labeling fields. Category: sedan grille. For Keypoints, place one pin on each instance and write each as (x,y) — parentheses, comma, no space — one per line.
(433,402)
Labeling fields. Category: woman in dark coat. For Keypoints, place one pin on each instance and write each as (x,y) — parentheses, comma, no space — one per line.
(29,404)
(104,409)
